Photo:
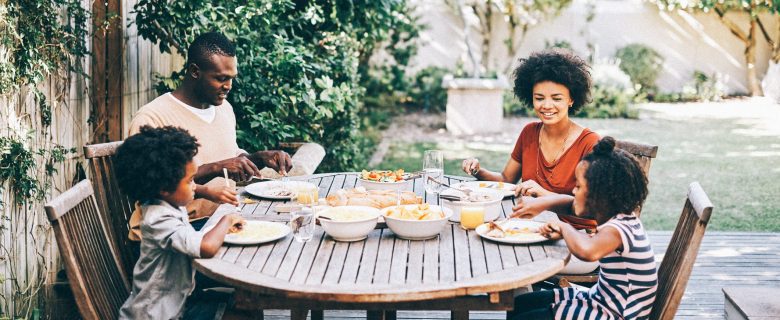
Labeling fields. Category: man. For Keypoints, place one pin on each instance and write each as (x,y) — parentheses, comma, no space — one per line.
(199,106)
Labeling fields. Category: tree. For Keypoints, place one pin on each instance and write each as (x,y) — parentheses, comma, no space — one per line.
(753,8)
(519,16)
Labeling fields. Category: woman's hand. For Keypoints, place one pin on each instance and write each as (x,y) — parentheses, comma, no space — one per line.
(527,208)
(551,230)
(531,188)
(471,166)
(223,194)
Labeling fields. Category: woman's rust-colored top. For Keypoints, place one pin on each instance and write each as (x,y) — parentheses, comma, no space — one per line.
(557,177)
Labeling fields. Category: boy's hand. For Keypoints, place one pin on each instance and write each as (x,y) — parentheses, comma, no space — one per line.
(236,222)
(223,194)
(551,230)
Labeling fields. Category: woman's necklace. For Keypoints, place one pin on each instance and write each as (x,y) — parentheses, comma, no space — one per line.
(563,145)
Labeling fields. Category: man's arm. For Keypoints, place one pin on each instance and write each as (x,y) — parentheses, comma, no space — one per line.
(274,159)
(240,168)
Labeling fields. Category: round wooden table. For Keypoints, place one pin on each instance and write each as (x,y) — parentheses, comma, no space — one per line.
(458,270)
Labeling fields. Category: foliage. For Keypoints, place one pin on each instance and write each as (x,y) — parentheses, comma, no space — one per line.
(557,44)
(299,64)
(39,40)
(519,17)
(702,87)
(426,92)
(612,94)
(642,64)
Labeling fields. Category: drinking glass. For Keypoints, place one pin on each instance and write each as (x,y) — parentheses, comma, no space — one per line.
(433,171)
(302,224)
(471,217)
(308,196)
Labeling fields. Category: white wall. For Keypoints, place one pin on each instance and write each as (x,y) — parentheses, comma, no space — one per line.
(687,42)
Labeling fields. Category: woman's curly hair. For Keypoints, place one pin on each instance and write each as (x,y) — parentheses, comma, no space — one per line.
(559,66)
(616,182)
(154,160)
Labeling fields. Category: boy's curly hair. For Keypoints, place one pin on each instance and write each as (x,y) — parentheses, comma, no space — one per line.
(153,161)
(616,182)
(559,66)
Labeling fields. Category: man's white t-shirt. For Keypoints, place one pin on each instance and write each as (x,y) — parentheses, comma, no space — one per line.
(207,114)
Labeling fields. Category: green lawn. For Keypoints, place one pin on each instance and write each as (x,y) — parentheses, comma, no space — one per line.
(740,173)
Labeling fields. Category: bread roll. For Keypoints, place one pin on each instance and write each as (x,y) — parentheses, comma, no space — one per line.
(373,198)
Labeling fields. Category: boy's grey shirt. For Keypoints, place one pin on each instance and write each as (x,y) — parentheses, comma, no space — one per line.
(163,277)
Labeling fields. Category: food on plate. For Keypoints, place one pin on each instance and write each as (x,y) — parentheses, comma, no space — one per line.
(372,198)
(383,175)
(495,230)
(257,231)
(280,192)
(419,212)
(340,214)
(499,185)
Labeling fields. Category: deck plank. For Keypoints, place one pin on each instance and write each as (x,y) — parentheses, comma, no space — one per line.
(726,259)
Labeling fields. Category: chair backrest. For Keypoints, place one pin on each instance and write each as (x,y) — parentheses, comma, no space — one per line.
(681,254)
(114,205)
(98,282)
(644,153)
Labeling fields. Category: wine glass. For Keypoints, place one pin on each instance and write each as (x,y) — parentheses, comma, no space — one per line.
(433,171)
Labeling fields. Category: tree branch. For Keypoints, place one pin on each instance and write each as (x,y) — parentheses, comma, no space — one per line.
(731,25)
(763,31)
(169,38)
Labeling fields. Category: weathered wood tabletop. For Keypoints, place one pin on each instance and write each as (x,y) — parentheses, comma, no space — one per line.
(458,270)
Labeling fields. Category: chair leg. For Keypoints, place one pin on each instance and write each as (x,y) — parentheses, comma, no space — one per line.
(390,315)
(459,315)
(375,314)
(298,314)
(317,314)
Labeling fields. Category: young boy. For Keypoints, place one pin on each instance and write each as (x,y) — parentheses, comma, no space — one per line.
(156,168)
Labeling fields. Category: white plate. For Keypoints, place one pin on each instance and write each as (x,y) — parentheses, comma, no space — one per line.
(275,230)
(518,238)
(508,189)
(268,189)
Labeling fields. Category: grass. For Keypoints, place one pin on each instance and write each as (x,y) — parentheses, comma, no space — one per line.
(739,172)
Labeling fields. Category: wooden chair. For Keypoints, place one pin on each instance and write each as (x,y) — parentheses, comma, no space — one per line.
(645,154)
(680,256)
(98,282)
(115,207)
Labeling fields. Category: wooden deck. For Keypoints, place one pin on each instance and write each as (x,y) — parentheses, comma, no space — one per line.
(726,259)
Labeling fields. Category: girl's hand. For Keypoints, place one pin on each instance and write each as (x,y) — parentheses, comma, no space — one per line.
(223,194)
(551,230)
(526,208)
(531,188)
(471,166)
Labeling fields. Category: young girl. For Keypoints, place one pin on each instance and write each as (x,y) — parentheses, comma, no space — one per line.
(156,168)
(609,186)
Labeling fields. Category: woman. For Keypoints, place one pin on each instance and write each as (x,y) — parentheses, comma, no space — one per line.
(557,84)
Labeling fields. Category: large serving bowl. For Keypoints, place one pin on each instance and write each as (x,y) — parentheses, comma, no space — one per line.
(375,185)
(492,205)
(349,223)
(413,229)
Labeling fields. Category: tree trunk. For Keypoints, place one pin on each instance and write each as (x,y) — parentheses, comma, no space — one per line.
(750,59)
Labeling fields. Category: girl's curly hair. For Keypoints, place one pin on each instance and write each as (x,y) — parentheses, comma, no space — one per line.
(153,161)
(616,182)
(559,66)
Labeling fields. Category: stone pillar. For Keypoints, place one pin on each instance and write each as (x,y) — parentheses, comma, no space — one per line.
(474,105)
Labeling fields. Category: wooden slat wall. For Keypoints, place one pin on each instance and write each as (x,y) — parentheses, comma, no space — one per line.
(26,231)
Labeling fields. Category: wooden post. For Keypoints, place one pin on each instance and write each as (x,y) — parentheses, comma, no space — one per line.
(107,71)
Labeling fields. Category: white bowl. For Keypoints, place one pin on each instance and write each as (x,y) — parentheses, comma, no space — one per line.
(416,229)
(349,230)
(492,208)
(374,185)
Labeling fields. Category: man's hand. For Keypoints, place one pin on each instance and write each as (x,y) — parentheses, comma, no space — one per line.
(239,168)
(274,159)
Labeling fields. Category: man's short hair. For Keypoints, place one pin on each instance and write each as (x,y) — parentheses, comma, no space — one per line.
(208,44)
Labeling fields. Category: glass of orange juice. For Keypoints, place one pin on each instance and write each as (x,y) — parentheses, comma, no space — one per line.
(308,196)
(471,217)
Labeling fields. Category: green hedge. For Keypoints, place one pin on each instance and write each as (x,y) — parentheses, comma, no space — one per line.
(300,64)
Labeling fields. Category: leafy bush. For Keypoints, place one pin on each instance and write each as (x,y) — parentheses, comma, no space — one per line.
(701,88)
(642,64)
(299,64)
(426,92)
(612,95)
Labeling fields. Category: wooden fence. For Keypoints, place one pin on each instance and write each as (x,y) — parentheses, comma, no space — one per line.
(122,71)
